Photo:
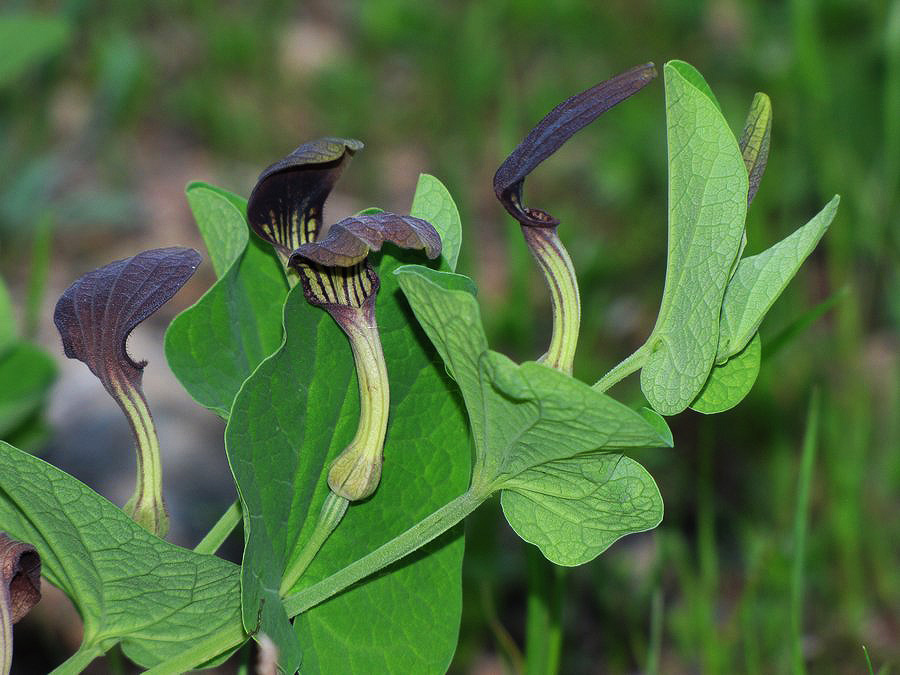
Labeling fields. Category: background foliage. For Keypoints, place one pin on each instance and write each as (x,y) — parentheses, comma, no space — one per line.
(119,105)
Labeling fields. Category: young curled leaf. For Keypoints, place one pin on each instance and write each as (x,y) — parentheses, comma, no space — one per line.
(20,590)
(285,207)
(97,313)
(350,241)
(754,143)
(556,128)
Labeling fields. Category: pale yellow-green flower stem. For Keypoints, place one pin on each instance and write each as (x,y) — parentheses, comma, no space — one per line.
(146,506)
(330,516)
(556,265)
(355,474)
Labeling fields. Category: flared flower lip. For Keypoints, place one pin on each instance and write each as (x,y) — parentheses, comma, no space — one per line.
(350,241)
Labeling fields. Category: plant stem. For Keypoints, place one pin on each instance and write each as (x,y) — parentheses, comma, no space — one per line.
(624,369)
(543,630)
(403,544)
(78,661)
(801,518)
(332,511)
(556,265)
(220,531)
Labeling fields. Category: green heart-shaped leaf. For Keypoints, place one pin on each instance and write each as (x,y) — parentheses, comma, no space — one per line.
(707,206)
(128,585)
(213,346)
(574,509)
(532,425)
(731,381)
(760,279)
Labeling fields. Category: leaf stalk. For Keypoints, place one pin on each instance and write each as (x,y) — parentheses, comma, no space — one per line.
(217,643)
(78,661)
(625,368)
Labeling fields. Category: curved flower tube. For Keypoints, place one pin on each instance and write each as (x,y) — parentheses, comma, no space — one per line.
(539,227)
(94,317)
(285,209)
(336,275)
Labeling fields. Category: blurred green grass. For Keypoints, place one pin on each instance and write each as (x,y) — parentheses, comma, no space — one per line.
(141,90)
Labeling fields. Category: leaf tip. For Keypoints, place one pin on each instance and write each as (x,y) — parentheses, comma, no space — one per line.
(660,426)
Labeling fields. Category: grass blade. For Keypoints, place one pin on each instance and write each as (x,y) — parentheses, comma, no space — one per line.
(543,631)
(40,270)
(799,325)
(657,613)
(801,522)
